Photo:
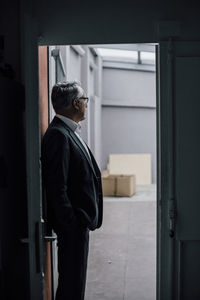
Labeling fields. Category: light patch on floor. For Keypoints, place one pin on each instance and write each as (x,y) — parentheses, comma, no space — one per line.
(122,255)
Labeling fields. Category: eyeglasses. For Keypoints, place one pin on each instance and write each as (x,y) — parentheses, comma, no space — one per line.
(84,98)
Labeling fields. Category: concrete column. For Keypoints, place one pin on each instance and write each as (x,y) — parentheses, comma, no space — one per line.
(67,49)
(52,81)
(98,111)
(85,131)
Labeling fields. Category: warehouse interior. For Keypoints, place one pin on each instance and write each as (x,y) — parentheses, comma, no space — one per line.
(174,27)
(120,129)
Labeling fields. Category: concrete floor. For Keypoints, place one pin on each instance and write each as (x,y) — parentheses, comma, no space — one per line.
(122,255)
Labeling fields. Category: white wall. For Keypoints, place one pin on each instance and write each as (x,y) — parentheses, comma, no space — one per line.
(129,87)
(129,130)
(73,65)
(129,114)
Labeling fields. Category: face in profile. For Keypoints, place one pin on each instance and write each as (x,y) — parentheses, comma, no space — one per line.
(83,107)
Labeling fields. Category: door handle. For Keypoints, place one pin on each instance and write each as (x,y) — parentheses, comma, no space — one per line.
(39,237)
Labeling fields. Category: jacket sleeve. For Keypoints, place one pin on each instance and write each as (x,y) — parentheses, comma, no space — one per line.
(55,162)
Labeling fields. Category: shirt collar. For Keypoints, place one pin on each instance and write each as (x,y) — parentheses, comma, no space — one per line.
(70,123)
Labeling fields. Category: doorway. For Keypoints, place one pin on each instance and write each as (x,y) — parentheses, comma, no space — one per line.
(72,62)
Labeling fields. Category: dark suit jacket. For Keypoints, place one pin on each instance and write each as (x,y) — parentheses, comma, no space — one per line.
(72,180)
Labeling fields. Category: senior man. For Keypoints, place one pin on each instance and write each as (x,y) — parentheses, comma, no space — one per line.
(72,182)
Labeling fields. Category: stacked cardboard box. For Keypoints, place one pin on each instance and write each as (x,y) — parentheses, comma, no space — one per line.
(118,185)
(138,164)
(124,171)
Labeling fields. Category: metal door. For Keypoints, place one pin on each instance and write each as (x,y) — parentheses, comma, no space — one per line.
(44,122)
(178,264)
(32,124)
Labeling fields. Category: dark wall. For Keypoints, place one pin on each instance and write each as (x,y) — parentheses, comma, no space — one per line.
(71,22)
(10,29)
(61,22)
(13,207)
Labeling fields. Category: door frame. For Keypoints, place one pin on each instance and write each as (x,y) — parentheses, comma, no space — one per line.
(166,207)
(29,66)
(34,185)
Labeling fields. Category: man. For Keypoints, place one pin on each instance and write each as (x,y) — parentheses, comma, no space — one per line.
(72,182)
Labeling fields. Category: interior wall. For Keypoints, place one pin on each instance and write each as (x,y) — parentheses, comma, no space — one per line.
(129,114)
(143,22)
(129,87)
(14,268)
(74,65)
(10,29)
(125,132)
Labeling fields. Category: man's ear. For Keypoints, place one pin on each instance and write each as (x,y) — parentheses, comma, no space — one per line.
(75,104)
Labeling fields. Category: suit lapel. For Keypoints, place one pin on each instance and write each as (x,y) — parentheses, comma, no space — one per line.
(96,167)
(77,141)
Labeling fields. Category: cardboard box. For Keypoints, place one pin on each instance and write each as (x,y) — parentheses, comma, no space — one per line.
(118,185)
(138,164)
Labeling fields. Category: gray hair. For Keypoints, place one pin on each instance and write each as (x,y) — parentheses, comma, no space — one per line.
(63,93)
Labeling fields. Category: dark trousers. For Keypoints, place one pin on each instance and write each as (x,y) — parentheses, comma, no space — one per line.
(72,264)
